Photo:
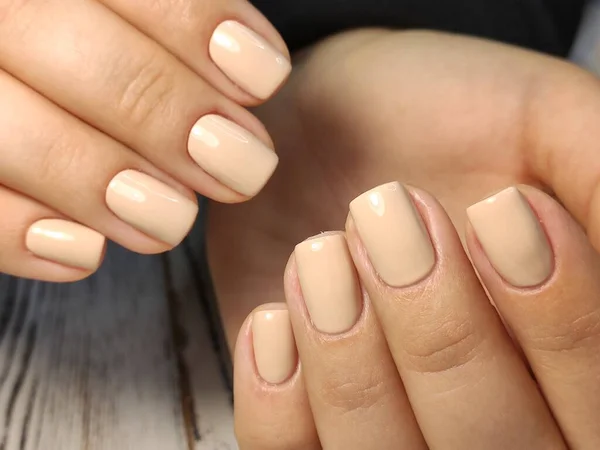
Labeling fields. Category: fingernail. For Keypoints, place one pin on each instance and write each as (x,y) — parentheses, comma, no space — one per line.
(274,346)
(151,206)
(66,243)
(231,154)
(512,238)
(248,59)
(394,234)
(329,283)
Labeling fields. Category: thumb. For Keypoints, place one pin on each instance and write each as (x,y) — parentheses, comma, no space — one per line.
(562,141)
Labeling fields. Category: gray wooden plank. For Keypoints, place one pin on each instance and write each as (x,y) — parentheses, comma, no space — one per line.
(90,365)
(209,407)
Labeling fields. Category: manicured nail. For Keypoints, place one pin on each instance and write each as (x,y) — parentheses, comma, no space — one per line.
(248,59)
(66,243)
(151,206)
(394,234)
(231,154)
(274,346)
(329,283)
(512,238)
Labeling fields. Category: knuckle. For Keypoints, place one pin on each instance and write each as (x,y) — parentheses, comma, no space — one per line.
(349,396)
(442,346)
(146,93)
(567,334)
(57,161)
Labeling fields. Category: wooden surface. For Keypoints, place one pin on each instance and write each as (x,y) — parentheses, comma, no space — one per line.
(124,360)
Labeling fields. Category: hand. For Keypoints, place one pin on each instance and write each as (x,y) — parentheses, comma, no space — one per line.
(400,348)
(113,110)
(459,117)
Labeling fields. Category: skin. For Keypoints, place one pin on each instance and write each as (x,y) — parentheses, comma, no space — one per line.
(442,345)
(91,88)
(458,117)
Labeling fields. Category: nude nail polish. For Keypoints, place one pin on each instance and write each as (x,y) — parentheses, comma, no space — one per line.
(329,282)
(274,346)
(151,206)
(248,59)
(512,238)
(65,242)
(231,154)
(393,234)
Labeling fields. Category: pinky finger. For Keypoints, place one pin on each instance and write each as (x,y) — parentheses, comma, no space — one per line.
(37,243)
(273,414)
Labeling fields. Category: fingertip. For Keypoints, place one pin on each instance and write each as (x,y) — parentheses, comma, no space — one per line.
(523,239)
(262,26)
(49,272)
(269,415)
(258,342)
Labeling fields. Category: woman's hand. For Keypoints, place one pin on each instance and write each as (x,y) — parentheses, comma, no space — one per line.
(400,348)
(459,117)
(113,111)
(426,361)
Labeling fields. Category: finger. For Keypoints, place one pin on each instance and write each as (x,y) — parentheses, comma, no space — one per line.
(466,383)
(271,407)
(355,392)
(543,276)
(561,136)
(106,72)
(51,156)
(537,111)
(38,243)
(244,65)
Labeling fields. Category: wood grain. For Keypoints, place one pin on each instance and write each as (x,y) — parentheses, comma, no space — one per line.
(202,351)
(120,361)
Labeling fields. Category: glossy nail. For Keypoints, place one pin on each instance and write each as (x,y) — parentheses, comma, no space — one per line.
(151,206)
(394,234)
(329,282)
(66,242)
(274,346)
(231,154)
(512,238)
(248,59)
